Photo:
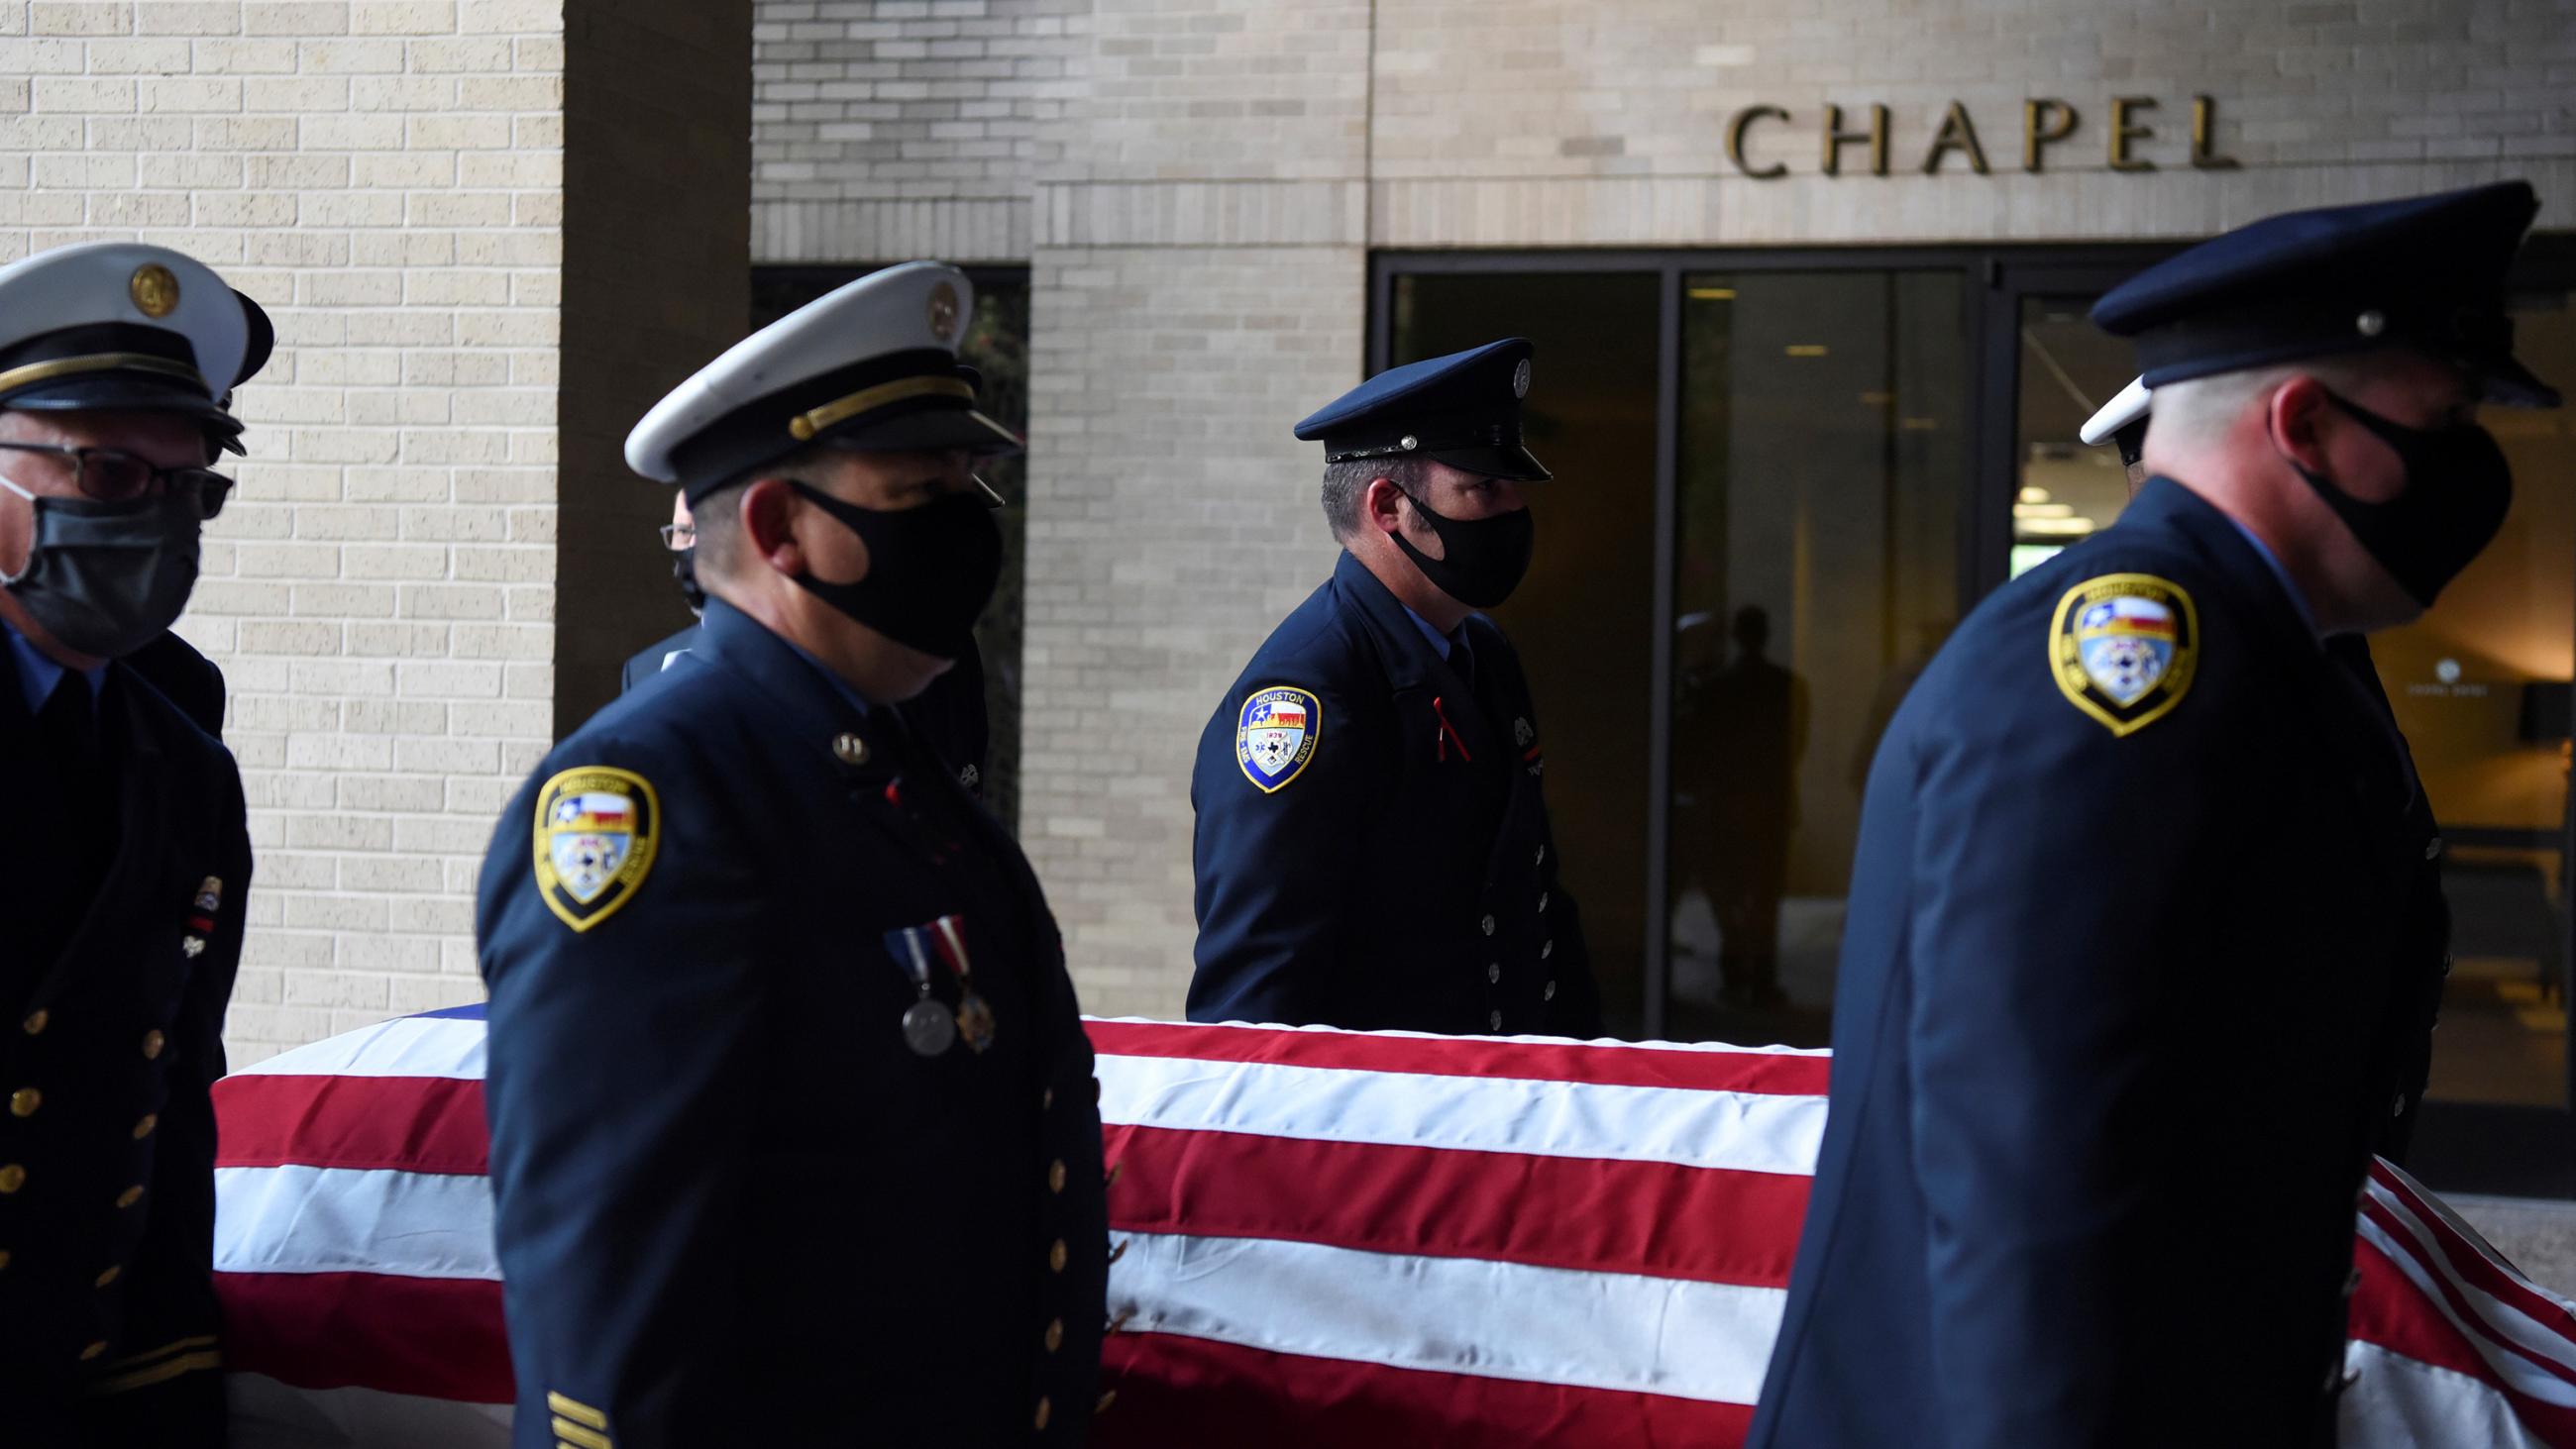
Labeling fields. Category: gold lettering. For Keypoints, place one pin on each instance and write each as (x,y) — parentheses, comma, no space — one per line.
(2204,141)
(2123,131)
(1957,133)
(1735,128)
(2044,123)
(1836,138)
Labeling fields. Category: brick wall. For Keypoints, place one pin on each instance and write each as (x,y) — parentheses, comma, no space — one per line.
(890,129)
(384,178)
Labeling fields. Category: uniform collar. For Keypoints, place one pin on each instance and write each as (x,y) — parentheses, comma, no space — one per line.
(38,674)
(2166,506)
(809,700)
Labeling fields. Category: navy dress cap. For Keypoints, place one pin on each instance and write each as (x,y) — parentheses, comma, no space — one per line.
(128,327)
(2425,272)
(1463,410)
(871,367)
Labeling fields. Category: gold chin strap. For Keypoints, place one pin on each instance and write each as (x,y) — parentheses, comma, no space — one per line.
(36,372)
(805,425)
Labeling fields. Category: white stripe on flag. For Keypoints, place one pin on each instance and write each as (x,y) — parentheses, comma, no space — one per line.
(407,1046)
(267,1414)
(346,1220)
(1703,1341)
(2398,1403)
(1735,1131)
(2516,1372)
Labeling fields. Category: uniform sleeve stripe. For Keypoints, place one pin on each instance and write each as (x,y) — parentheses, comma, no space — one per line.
(577,1411)
(179,1345)
(570,1432)
(160,1372)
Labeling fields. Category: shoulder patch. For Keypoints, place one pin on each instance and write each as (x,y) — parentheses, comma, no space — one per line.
(597,830)
(1275,735)
(2123,648)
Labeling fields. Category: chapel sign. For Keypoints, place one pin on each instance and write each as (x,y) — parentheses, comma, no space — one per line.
(2045,122)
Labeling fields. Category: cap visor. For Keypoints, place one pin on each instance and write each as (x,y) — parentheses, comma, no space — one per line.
(2507,383)
(927,431)
(1493,462)
(115,392)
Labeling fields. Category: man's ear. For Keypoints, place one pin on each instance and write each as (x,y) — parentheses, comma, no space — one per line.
(2292,418)
(766,512)
(1382,504)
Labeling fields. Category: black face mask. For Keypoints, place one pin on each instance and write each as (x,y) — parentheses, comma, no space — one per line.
(931,570)
(108,578)
(1486,557)
(2458,486)
(684,567)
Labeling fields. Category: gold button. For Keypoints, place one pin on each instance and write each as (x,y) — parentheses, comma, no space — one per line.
(130,1196)
(144,1128)
(1106,1400)
(152,1044)
(109,1276)
(94,1350)
(1046,1100)
(1046,1411)
(1055,1335)
(849,749)
(12,1178)
(1057,1255)
(1055,1176)
(24,1102)
(35,1022)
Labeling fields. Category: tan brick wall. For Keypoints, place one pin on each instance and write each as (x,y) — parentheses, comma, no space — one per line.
(890,129)
(384,178)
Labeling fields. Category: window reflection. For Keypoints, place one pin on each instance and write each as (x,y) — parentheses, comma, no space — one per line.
(1823,457)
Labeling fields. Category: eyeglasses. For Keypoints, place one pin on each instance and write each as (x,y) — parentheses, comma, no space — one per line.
(112,476)
(677,536)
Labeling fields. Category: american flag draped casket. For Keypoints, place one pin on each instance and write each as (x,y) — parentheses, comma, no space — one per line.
(1358,1239)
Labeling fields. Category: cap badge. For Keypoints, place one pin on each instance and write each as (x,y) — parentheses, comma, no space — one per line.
(155,290)
(1520,379)
(1408,443)
(943,313)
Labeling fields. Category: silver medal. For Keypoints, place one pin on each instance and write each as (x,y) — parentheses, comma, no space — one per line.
(929,1028)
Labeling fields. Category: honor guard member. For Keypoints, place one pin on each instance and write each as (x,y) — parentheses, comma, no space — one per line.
(949,716)
(2123,993)
(794,1128)
(1372,847)
(2424,937)
(122,885)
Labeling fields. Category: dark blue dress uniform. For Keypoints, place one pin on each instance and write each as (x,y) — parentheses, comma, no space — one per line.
(1405,878)
(123,881)
(2062,1199)
(733,1207)
(127,929)
(744,1193)
(1372,847)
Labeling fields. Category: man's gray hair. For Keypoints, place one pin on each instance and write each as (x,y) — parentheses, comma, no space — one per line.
(2198,410)
(1346,482)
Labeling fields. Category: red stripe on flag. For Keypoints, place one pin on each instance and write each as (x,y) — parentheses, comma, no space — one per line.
(1583,1214)
(2390,1311)
(408,1124)
(1176,1390)
(2475,1267)
(2395,1226)
(1618,1066)
(438,1338)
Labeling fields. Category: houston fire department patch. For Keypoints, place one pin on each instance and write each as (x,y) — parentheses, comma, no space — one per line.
(1276,735)
(2123,647)
(597,829)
